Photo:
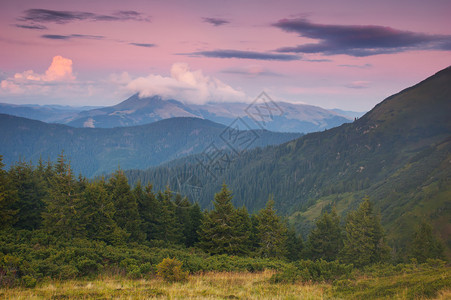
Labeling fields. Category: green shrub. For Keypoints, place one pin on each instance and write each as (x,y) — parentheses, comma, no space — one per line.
(146,268)
(87,267)
(289,274)
(28,281)
(316,271)
(170,270)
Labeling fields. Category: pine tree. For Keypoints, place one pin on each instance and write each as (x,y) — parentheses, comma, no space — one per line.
(243,227)
(253,236)
(364,240)
(31,189)
(425,244)
(219,232)
(195,220)
(126,207)
(166,228)
(149,212)
(326,240)
(182,211)
(294,245)
(63,216)
(272,232)
(8,196)
(98,215)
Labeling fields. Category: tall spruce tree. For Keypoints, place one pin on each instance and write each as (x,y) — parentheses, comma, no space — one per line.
(98,215)
(168,229)
(220,233)
(326,239)
(8,196)
(243,227)
(294,245)
(272,232)
(149,212)
(425,244)
(63,214)
(126,208)
(195,220)
(32,189)
(364,241)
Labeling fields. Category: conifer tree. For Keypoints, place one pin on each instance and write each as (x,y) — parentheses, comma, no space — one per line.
(63,215)
(182,210)
(219,232)
(272,232)
(149,212)
(243,227)
(364,240)
(98,215)
(195,220)
(31,189)
(294,245)
(8,196)
(168,229)
(425,244)
(326,240)
(253,236)
(126,208)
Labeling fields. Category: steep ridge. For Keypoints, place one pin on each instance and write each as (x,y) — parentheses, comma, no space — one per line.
(399,154)
(94,151)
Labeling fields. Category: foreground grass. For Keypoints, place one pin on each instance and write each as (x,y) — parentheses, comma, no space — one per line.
(423,284)
(213,285)
(381,282)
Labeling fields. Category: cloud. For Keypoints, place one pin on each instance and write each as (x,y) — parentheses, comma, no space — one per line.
(72,36)
(364,66)
(358,40)
(358,85)
(62,17)
(246,55)
(251,71)
(31,26)
(185,85)
(216,21)
(60,71)
(145,45)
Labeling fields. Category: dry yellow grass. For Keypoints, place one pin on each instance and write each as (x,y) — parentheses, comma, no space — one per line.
(212,285)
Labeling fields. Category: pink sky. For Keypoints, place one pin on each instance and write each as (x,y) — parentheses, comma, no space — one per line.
(334,54)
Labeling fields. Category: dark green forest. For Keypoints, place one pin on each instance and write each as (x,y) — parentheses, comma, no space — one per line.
(97,151)
(398,154)
(59,225)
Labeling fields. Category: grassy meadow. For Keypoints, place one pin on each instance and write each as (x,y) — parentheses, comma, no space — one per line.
(376,283)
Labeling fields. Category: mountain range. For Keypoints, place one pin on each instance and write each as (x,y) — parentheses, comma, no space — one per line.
(95,151)
(398,154)
(280,116)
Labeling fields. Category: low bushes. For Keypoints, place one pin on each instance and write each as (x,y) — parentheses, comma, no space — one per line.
(314,271)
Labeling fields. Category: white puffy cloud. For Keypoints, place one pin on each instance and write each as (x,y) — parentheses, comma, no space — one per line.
(186,85)
(60,71)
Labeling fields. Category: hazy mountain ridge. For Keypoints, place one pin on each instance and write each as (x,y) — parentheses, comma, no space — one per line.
(139,111)
(45,113)
(94,151)
(399,154)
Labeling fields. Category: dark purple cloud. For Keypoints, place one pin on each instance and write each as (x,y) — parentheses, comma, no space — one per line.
(216,21)
(145,45)
(72,36)
(31,26)
(61,17)
(359,40)
(246,55)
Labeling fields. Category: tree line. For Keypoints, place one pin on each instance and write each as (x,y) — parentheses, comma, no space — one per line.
(50,198)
